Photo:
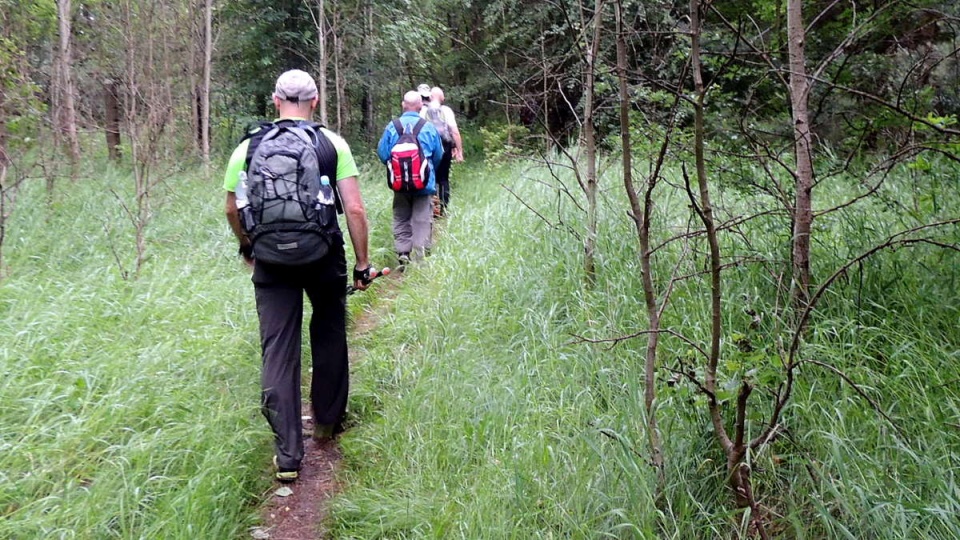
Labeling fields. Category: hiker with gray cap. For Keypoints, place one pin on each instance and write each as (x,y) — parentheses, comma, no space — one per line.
(285,185)
(443,118)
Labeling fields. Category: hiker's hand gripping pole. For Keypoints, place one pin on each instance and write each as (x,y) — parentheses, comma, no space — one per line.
(362,278)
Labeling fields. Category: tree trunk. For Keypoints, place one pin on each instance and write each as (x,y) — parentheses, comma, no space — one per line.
(205,94)
(65,114)
(324,61)
(802,211)
(3,201)
(338,82)
(641,216)
(506,105)
(4,160)
(369,130)
(545,89)
(734,449)
(3,179)
(195,71)
(706,215)
(590,143)
(111,107)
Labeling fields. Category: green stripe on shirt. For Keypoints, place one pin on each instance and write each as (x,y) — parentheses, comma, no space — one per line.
(346,165)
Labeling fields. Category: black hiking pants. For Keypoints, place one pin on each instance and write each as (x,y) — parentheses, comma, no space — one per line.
(279,294)
(443,175)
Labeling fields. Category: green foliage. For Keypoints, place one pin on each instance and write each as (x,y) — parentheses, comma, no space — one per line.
(483,415)
(503,140)
(19,105)
(22,26)
(131,406)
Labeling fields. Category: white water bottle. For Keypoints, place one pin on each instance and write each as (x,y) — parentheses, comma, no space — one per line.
(325,196)
(241,191)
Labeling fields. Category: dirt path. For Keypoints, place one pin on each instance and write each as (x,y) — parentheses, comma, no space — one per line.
(301,515)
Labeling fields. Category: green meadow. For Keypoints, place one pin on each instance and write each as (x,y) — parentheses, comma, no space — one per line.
(479,406)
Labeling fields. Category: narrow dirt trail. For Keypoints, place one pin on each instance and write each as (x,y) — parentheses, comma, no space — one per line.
(301,515)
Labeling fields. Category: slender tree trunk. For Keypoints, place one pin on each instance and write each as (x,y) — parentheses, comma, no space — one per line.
(66,113)
(641,216)
(546,87)
(590,143)
(111,107)
(506,106)
(205,95)
(706,215)
(803,144)
(3,179)
(195,71)
(3,200)
(369,129)
(4,160)
(324,61)
(338,82)
(735,449)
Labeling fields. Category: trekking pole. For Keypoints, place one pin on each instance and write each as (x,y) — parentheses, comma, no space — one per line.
(384,272)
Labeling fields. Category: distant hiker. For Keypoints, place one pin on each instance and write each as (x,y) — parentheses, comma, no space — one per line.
(425,96)
(286,182)
(443,118)
(411,148)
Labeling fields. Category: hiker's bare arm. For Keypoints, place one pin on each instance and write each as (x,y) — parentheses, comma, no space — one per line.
(457,153)
(356,215)
(233,218)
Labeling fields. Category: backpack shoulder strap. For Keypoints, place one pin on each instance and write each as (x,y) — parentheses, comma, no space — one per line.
(416,128)
(327,156)
(312,130)
(398,126)
(312,125)
(255,136)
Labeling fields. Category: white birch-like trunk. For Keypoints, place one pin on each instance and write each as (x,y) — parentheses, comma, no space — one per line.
(65,113)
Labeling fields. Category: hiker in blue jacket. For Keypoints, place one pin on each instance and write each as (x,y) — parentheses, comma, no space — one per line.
(413,211)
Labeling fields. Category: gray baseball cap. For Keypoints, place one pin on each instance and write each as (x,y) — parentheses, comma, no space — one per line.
(295,85)
(424,90)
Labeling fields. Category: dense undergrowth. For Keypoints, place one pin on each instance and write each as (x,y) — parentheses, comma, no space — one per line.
(486,416)
(130,406)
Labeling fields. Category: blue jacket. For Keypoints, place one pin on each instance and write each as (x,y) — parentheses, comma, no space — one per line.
(429,141)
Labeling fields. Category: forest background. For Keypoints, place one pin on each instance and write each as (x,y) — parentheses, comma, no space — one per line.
(758,202)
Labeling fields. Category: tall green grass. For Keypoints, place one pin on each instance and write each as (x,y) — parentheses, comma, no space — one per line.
(485,416)
(130,407)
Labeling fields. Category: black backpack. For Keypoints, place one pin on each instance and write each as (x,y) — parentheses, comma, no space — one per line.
(284,163)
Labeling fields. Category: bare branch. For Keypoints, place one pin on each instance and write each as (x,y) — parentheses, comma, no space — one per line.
(891,242)
(860,391)
(539,215)
(614,341)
